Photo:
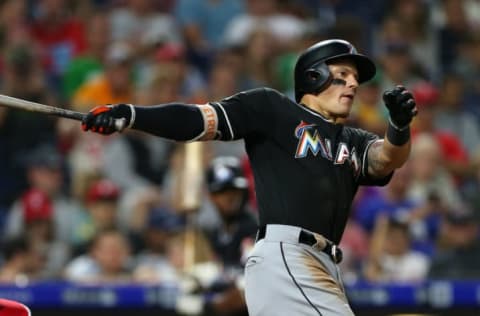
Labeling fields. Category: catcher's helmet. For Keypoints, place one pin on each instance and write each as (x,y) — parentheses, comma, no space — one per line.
(311,71)
(225,173)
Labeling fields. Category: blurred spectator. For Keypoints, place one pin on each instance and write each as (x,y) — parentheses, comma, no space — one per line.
(451,115)
(90,62)
(60,36)
(23,78)
(397,65)
(224,82)
(467,67)
(459,247)
(453,155)
(140,23)
(164,75)
(416,28)
(13,20)
(202,21)
(113,85)
(391,200)
(136,160)
(369,112)
(429,177)
(202,24)
(451,18)
(471,186)
(151,264)
(14,266)
(389,31)
(191,83)
(467,63)
(259,55)
(101,203)
(391,257)
(162,87)
(48,252)
(263,14)
(45,176)
(108,261)
(138,164)
(354,245)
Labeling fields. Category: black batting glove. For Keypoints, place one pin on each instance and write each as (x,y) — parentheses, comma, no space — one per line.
(104,119)
(401,106)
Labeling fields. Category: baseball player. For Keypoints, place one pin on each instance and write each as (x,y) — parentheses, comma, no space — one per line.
(307,167)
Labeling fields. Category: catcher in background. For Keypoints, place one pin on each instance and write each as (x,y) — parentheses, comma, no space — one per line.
(307,167)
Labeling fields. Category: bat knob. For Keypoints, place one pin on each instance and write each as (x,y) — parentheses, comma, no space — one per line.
(120,124)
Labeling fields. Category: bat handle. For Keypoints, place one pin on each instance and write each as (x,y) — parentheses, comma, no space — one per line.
(120,124)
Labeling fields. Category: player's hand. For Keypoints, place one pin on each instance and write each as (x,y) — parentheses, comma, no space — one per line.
(106,119)
(401,106)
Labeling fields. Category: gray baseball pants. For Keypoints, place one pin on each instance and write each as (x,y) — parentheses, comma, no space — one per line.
(286,278)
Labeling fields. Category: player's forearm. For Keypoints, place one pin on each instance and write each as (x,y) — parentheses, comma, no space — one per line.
(384,157)
(395,156)
(175,121)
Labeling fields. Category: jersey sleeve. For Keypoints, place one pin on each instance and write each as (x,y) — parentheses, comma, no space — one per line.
(363,141)
(245,113)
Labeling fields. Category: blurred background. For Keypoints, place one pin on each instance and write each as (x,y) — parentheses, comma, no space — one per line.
(94,222)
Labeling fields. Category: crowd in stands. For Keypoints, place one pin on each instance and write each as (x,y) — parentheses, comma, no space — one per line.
(92,209)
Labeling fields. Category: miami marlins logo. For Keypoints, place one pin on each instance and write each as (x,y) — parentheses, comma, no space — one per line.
(310,140)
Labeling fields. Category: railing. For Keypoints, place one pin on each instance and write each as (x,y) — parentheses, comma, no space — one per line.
(463,297)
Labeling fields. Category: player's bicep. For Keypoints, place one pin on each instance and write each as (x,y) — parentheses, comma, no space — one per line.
(245,113)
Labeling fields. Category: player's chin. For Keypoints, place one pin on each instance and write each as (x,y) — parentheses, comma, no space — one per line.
(344,110)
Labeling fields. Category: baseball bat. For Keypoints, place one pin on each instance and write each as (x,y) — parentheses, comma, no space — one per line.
(187,196)
(25,105)
(192,176)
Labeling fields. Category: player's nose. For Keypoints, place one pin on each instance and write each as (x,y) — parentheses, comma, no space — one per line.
(352,82)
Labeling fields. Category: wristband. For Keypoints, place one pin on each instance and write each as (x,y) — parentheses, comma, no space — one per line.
(397,136)
(132,115)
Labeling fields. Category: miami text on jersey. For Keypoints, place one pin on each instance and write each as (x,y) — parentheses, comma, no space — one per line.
(310,140)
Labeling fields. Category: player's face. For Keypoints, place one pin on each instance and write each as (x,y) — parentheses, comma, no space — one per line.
(336,101)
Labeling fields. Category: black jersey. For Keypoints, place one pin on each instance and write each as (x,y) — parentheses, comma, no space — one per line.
(306,169)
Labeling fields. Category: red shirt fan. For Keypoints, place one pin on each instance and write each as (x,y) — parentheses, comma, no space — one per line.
(12,308)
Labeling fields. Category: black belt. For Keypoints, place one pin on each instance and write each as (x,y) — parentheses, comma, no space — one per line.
(309,239)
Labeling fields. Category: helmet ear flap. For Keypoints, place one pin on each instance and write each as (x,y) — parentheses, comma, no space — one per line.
(312,75)
(318,78)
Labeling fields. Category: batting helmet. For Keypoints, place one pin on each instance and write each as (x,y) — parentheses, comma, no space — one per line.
(225,173)
(311,71)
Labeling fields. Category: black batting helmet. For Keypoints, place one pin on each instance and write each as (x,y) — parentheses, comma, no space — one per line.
(225,173)
(311,71)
